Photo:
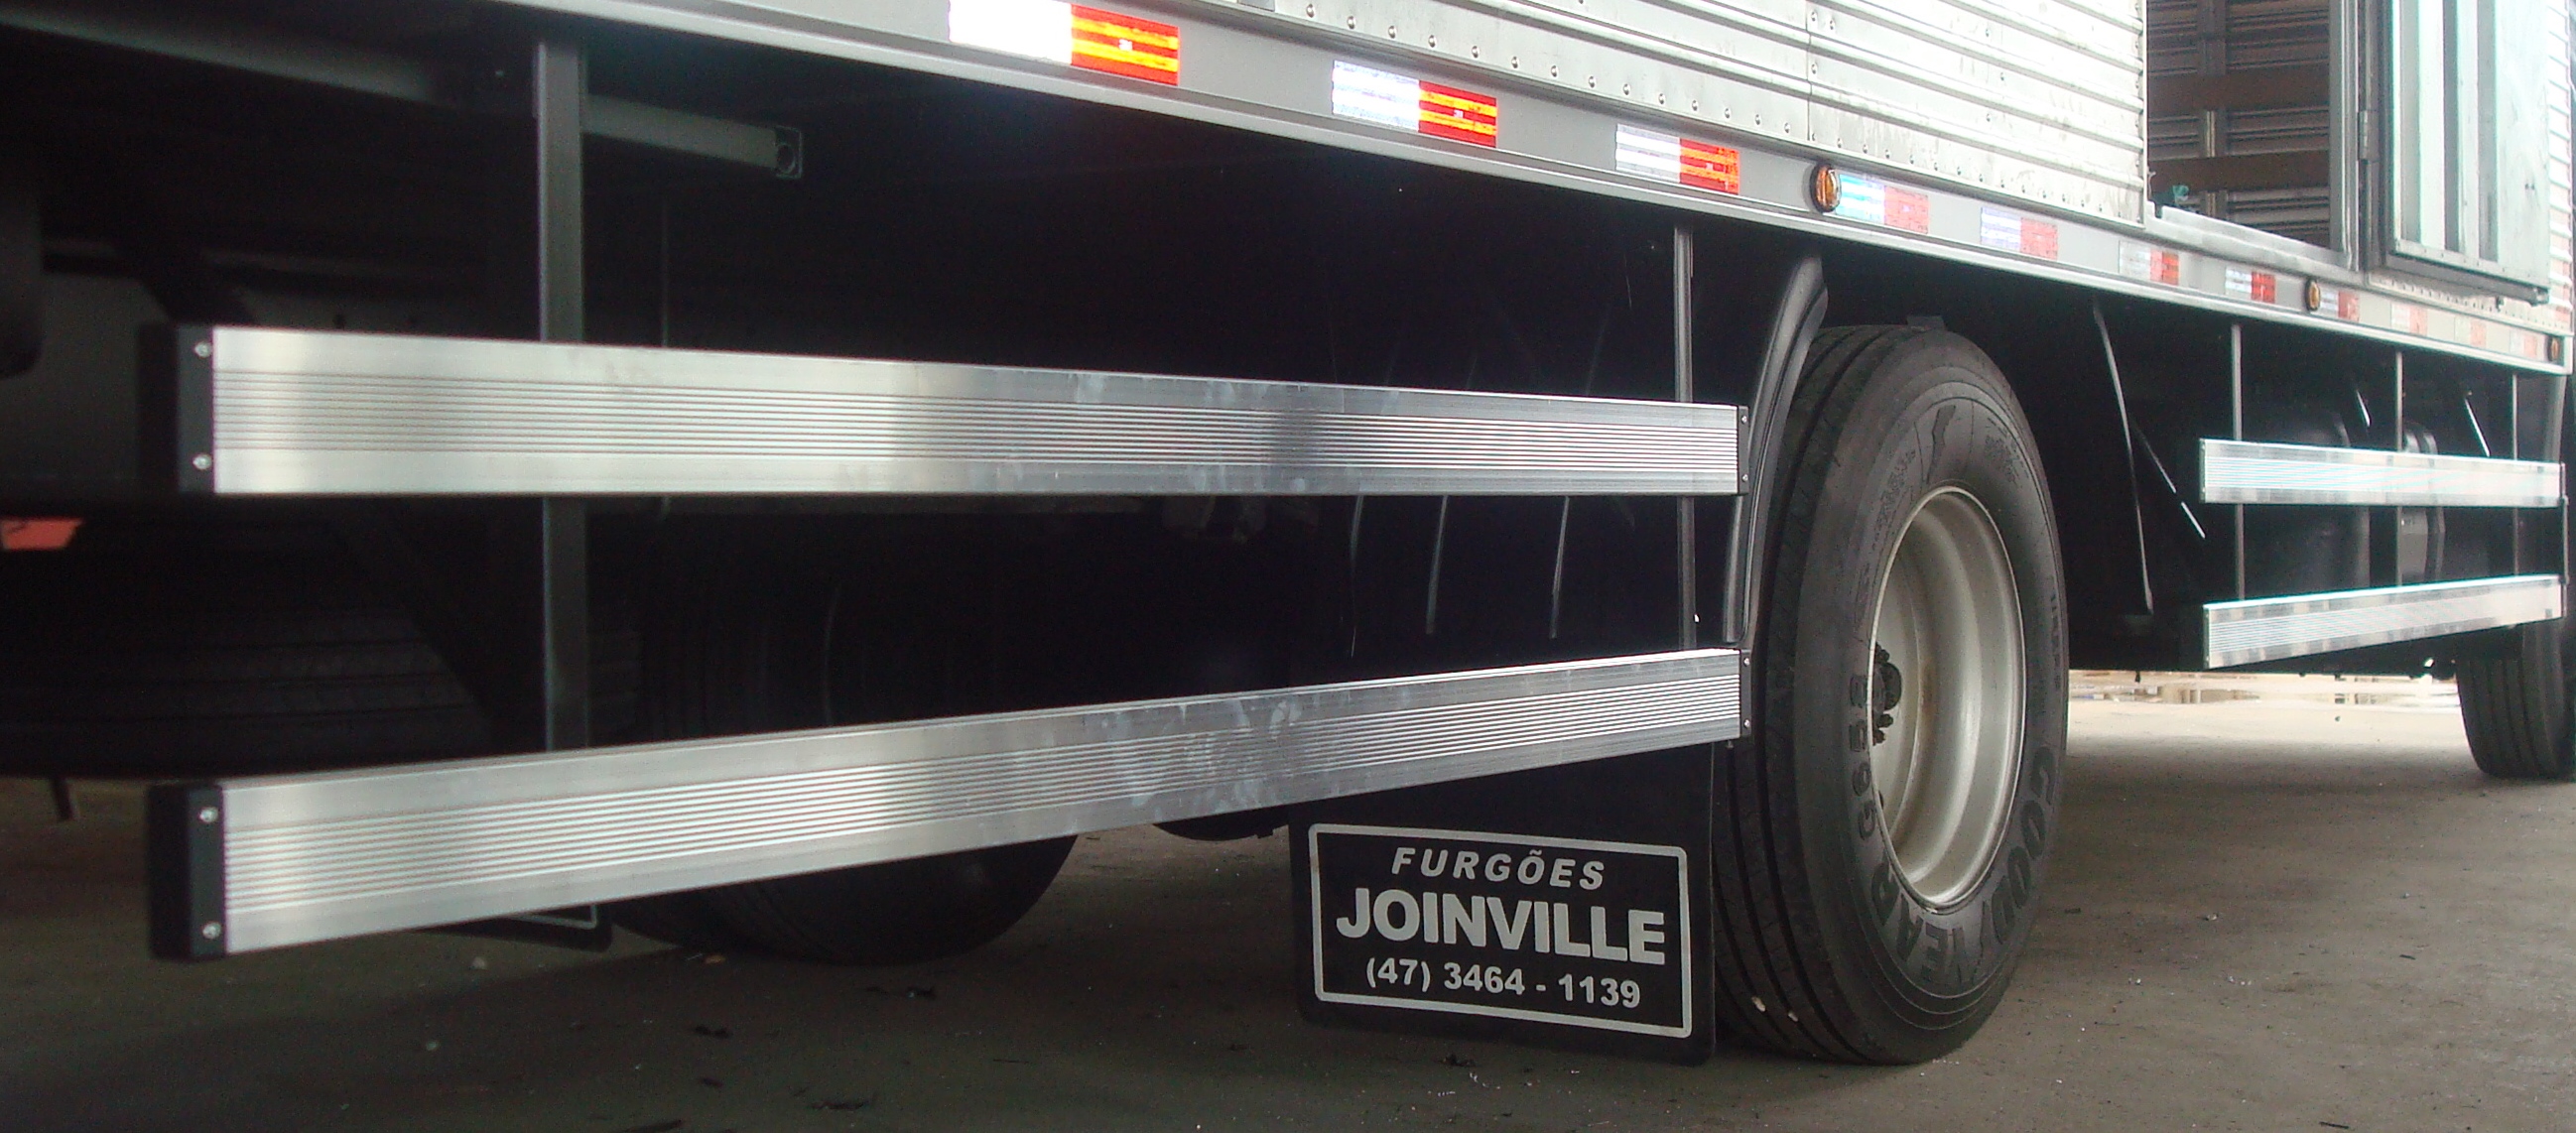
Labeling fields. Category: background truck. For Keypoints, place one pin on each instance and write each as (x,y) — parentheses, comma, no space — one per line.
(1622,482)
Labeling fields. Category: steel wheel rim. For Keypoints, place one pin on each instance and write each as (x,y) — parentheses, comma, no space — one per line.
(1945,695)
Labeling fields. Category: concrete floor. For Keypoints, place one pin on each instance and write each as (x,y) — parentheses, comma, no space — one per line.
(2278,913)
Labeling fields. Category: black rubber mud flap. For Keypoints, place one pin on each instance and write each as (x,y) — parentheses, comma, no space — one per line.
(1559,908)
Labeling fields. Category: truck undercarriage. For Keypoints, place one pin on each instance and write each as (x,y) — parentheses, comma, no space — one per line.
(776,493)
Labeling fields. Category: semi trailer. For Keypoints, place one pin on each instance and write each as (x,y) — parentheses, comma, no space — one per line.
(1622,482)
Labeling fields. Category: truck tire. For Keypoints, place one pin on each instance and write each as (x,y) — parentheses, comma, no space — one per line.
(741,639)
(2514,706)
(179,647)
(1881,837)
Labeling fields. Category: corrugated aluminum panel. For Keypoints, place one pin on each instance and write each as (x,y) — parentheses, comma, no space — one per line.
(2042,101)
(2557,104)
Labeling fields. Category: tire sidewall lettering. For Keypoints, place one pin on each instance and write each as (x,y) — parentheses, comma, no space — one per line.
(1951,436)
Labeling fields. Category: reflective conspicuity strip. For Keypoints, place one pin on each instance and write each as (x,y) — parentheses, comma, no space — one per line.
(2243,472)
(2014,232)
(1677,160)
(318,413)
(316,857)
(2268,629)
(1398,102)
(1093,39)
(1873,201)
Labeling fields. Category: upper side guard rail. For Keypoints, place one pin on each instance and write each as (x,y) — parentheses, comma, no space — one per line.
(287,412)
(2247,472)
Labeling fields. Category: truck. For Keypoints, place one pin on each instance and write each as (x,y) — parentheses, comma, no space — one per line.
(1621,482)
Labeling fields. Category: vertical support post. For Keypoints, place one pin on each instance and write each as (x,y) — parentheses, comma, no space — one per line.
(2552,447)
(565,562)
(662,312)
(2236,429)
(2513,415)
(2397,400)
(558,87)
(2513,450)
(2388,524)
(1685,509)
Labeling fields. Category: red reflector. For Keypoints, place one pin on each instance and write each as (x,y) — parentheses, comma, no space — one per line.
(27,534)
(1458,115)
(1126,45)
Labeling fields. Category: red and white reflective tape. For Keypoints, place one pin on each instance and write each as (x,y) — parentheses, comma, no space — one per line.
(1872,201)
(2255,286)
(2013,232)
(1676,160)
(1396,102)
(2150,263)
(2340,302)
(1093,39)
(2409,318)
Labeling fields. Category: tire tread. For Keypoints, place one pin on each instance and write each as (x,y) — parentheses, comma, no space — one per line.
(2514,708)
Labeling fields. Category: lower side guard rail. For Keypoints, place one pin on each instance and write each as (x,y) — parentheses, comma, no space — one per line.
(246,864)
(2298,625)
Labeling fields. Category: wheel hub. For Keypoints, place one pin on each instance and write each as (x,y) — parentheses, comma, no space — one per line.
(1946,690)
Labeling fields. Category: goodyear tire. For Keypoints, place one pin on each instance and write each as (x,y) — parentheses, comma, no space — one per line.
(743,639)
(1881,839)
(2514,706)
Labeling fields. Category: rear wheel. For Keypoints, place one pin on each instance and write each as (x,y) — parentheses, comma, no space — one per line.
(1881,839)
(2514,706)
(747,637)
(188,647)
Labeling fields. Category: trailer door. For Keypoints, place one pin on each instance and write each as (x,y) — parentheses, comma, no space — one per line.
(2470,84)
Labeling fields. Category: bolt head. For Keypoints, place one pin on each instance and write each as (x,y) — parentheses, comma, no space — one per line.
(212,930)
(201,462)
(208,815)
(205,350)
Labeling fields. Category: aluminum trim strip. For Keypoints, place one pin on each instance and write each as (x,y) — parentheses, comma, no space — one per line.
(2268,629)
(316,857)
(325,413)
(2244,472)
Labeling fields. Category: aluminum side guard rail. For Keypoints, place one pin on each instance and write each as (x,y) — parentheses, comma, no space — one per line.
(2258,629)
(238,411)
(247,864)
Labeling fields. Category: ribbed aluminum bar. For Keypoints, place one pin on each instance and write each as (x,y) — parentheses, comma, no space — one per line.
(2267,629)
(2243,472)
(317,413)
(315,857)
